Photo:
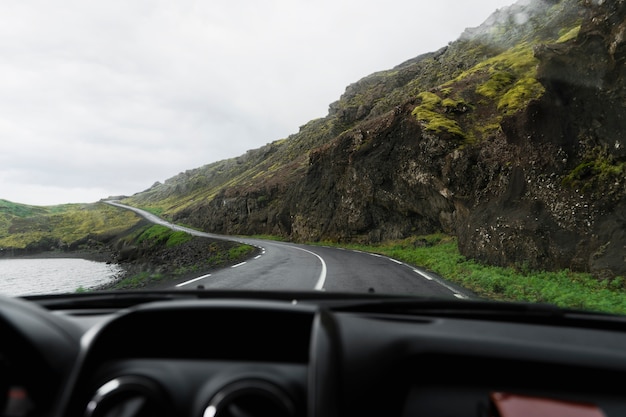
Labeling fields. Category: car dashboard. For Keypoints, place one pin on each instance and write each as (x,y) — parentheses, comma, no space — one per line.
(289,354)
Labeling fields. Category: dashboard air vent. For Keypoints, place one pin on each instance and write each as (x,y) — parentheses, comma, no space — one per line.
(250,398)
(128,396)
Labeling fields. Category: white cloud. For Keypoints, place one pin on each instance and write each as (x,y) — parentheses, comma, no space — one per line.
(104,98)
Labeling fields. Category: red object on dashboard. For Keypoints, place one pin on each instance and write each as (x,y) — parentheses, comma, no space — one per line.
(515,405)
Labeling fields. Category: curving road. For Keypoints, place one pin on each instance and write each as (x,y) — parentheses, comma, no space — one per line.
(288,266)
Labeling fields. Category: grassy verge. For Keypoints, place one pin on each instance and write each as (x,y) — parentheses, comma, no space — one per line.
(140,280)
(565,288)
(268,237)
(158,234)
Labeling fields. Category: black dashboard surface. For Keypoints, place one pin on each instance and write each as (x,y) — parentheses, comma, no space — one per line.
(297,355)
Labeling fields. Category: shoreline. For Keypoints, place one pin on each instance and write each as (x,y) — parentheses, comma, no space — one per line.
(159,268)
(105,257)
(108,259)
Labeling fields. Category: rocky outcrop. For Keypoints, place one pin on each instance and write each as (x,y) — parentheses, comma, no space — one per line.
(563,202)
(376,182)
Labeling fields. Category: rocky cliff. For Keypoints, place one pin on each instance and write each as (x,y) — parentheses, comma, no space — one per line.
(510,138)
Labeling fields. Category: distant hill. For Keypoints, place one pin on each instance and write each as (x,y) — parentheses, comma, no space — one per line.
(26,229)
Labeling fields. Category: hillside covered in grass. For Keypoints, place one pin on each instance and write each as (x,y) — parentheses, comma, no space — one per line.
(29,229)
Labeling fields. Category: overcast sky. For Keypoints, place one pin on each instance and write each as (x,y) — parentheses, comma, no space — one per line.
(101,98)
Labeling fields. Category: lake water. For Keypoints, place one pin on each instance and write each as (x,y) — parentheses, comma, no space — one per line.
(53,275)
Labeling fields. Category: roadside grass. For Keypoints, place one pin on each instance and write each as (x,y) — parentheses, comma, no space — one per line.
(240,252)
(159,234)
(235,253)
(440,254)
(268,237)
(134,282)
(139,280)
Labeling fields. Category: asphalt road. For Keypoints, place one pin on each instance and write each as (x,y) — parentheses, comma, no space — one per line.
(288,266)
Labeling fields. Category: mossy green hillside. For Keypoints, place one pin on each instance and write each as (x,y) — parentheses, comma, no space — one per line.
(11,209)
(511,79)
(22,226)
(276,163)
(478,78)
(472,106)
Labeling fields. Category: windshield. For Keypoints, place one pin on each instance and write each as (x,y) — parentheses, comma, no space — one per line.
(448,150)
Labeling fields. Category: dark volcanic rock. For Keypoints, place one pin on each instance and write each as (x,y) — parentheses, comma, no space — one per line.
(563,205)
(379,181)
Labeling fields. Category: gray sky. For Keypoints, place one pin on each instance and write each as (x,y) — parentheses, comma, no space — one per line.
(102,98)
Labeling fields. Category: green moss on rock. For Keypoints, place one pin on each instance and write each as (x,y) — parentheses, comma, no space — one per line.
(431,114)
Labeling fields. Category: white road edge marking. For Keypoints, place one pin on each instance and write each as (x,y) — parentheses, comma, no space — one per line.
(208,275)
(396,261)
(319,286)
(193,280)
(428,277)
(443,284)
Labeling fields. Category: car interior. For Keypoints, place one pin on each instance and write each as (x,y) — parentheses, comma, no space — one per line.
(207,353)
